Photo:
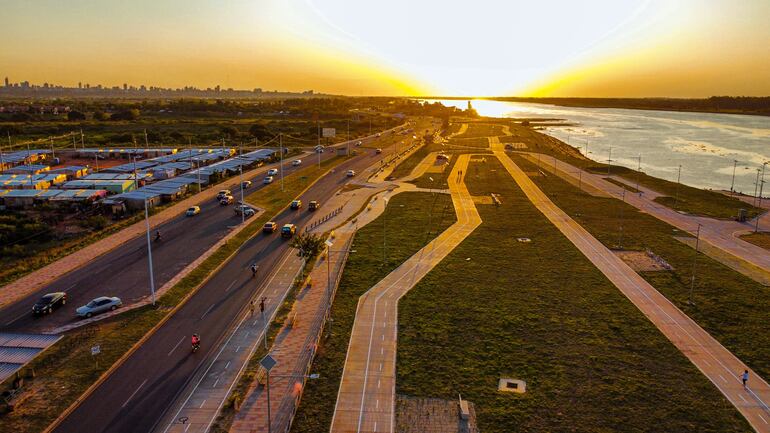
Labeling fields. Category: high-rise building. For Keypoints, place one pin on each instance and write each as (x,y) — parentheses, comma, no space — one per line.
(80,85)
(6,82)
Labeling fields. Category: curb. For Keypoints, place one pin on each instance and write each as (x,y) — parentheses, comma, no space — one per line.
(87,393)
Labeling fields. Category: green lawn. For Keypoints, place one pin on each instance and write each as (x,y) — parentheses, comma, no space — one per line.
(761,239)
(729,305)
(543,313)
(482,130)
(406,235)
(67,369)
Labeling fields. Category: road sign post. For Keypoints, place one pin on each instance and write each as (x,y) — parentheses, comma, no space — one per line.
(268,362)
(95,350)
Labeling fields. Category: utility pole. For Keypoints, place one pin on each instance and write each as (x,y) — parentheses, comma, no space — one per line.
(638,173)
(147,226)
(348,137)
(732,184)
(318,147)
(53,152)
(622,205)
(29,167)
(678,179)
(761,185)
(694,262)
(240,164)
(82,140)
(280,150)
(756,189)
(609,162)
(384,217)
(146,142)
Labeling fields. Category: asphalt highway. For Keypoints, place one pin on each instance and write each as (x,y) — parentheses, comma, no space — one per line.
(138,393)
(123,272)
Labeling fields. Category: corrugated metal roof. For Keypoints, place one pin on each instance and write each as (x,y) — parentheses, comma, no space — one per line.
(40,341)
(18,355)
(7,369)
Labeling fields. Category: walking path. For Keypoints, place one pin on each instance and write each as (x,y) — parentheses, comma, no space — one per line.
(295,346)
(719,234)
(721,367)
(45,275)
(366,399)
(207,392)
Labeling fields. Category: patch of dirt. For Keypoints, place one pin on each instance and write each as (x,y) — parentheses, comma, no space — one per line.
(643,261)
(482,199)
(432,415)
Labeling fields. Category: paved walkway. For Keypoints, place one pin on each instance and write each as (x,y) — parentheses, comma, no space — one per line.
(718,364)
(45,275)
(366,399)
(207,392)
(295,347)
(719,234)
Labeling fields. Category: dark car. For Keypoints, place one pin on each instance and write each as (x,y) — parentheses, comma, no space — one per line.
(48,302)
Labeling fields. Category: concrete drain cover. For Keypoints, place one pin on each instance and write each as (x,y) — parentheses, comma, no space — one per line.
(512,385)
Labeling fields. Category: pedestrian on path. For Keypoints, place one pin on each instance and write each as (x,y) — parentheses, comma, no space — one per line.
(251,308)
(745,378)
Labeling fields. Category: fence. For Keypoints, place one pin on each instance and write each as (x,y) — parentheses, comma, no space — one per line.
(290,402)
(323,219)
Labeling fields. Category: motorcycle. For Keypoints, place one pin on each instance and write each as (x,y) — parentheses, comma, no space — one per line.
(195,347)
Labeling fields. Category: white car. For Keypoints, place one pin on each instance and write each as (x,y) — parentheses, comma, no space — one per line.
(296,162)
(351,173)
(268,179)
(247,210)
(99,305)
(272,172)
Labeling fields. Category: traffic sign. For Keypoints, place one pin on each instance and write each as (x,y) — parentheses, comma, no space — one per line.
(95,350)
(268,362)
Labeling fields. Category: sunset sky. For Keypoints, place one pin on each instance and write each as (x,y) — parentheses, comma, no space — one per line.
(633,48)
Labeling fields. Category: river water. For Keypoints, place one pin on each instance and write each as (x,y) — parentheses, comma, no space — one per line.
(706,145)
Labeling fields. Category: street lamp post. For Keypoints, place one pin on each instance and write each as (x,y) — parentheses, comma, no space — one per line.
(678,179)
(147,226)
(384,217)
(694,262)
(732,184)
(240,164)
(280,151)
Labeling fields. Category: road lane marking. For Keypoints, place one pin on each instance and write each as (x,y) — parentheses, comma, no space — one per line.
(744,400)
(17,318)
(231,285)
(378,383)
(207,311)
(201,406)
(762,418)
(237,349)
(187,427)
(723,378)
(177,345)
(134,393)
(215,383)
(227,365)
(377,406)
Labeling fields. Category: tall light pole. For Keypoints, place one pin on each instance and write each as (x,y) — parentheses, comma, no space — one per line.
(638,173)
(384,217)
(318,148)
(694,262)
(280,151)
(240,164)
(678,179)
(732,184)
(756,189)
(762,183)
(609,162)
(147,226)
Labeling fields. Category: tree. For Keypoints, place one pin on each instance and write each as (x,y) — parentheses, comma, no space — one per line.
(101,115)
(131,114)
(308,245)
(75,115)
(260,131)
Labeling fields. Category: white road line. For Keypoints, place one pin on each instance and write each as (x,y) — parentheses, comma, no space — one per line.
(382,350)
(231,285)
(377,405)
(177,345)
(744,400)
(134,393)
(380,366)
(723,378)
(207,311)
(215,383)
(227,365)
(378,383)
(187,427)
(762,418)
(237,349)
(201,406)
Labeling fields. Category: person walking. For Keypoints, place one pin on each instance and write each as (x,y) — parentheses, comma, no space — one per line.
(745,378)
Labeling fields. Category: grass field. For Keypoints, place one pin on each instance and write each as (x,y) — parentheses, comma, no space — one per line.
(543,313)
(482,130)
(476,142)
(761,239)
(623,185)
(363,270)
(67,369)
(729,305)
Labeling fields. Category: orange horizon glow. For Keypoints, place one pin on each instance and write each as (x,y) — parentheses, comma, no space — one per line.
(597,48)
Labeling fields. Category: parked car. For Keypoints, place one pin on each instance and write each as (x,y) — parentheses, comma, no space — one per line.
(272,172)
(270,227)
(245,184)
(313,205)
(223,193)
(351,173)
(247,210)
(48,302)
(267,180)
(378,150)
(296,162)
(319,149)
(99,305)
(192,211)
(226,200)
(288,230)
(296,204)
